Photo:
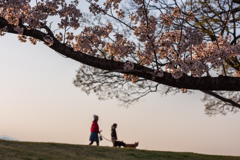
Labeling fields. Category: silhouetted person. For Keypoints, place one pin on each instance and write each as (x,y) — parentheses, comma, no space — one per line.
(94,131)
(114,133)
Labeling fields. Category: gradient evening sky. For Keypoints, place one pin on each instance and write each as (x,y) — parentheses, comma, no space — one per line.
(40,103)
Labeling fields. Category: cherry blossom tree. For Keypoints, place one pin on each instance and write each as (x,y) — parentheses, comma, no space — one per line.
(211,18)
(157,44)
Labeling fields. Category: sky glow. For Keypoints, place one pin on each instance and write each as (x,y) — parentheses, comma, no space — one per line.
(40,103)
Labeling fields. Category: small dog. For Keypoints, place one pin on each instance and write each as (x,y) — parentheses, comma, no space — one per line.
(134,145)
(119,144)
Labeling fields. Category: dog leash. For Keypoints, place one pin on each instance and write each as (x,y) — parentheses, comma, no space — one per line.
(105,138)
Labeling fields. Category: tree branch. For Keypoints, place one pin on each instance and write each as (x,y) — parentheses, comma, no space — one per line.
(236,1)
(222,98)
(195,83)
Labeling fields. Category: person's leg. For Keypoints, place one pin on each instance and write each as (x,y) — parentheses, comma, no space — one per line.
(97,143)
(114,141)
(91,143)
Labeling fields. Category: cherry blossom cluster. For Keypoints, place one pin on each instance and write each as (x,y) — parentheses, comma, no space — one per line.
(3,31)
(69,37)
(33,40)
(134,17)
(130,77)
(69,15)
(91,39)
(19,30)
(96,9)
(111,3)
(128,66)
(201,56)
(166,19)
(183,51)
(144,59)
(121,48)
(120,13)
(194,37)
(48,40)
(59,37)
(146,30)
(190,16)
(22,38)
(107,5)
(174,51)
(176,12)
(20,12)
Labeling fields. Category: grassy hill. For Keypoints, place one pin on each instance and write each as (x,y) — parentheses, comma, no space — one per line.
(13,150)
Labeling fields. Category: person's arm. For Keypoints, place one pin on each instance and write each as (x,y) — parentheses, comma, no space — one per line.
(97,128)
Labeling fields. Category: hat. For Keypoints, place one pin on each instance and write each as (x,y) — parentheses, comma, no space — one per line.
(95,117)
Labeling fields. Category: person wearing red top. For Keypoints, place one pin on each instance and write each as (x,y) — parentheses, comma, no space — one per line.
(95,127)
(94,131)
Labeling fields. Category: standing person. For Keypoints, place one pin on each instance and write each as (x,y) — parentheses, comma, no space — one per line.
(114,133)
(94,131)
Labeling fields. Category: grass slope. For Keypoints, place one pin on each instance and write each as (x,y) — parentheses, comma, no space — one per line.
(13,150)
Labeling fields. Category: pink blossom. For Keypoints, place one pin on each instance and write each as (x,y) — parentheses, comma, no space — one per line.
(128,66)
(49,40)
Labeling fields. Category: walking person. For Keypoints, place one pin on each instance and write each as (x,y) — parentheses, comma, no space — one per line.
(94,131)
(114,133)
